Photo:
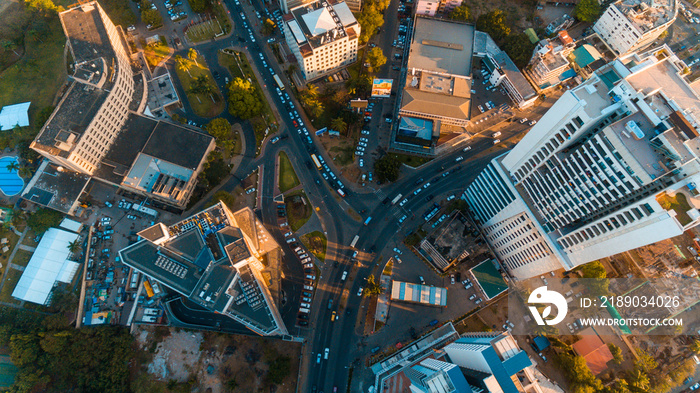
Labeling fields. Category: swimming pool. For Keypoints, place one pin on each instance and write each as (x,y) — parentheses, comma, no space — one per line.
(10,182)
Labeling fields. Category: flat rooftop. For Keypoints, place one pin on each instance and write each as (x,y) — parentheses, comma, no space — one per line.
(648,14)
(436,104)
(320,23)
(55,189)
(636,151)
(442,46)
(666,76)
(595,93)
(86,33)
(177,144)
(514,75)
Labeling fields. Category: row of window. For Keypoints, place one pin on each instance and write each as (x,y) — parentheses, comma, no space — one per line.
(489,194)
(619,220)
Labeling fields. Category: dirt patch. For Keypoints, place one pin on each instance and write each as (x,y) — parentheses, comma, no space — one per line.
(298,209)
(340,148)
(520,12)
(217,363)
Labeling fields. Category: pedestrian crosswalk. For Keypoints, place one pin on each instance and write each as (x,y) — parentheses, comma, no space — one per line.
(380,193)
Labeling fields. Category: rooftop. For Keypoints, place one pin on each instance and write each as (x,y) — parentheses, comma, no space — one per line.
(177,144)
(648,14)
(435,104)
(320,23)
(14,115)
(87,34)
(210,258)
(514,75)
(55,188)
(442,46)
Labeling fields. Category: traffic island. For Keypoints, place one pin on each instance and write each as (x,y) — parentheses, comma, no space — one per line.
(298,208)
(198,83)
(316,243)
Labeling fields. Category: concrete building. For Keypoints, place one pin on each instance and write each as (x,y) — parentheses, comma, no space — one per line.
(549,65)
(323,36)
(436,7)
(436,376)
(213,258)
(612,166)
(98,130)
(630,25)
(436,88)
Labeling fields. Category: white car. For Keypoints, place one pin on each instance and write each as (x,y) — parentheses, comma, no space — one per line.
(467,148)
(359,292)
(458,159)
(360,153)
(364,132)
(364,139)
(496,141)
(325,353)
(396,250)
(360,148)
(403,202)
(362,162)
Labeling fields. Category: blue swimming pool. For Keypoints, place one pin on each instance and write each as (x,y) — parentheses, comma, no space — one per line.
(10,182)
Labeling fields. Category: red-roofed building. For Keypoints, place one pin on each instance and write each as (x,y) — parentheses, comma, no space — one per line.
(592,348)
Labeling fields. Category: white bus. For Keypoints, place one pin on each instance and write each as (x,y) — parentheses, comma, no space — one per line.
(396,199)
(279,81)
(354,241)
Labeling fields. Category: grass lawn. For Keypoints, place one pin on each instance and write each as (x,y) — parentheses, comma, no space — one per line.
(204,31)
(298,209)
(388,268)
(411,161)
(155,52)
(38,75)
(287,177)
(316,243)
(201,104)
(13,276)
(21,258)
(678,203)
(12,240)
(345,156)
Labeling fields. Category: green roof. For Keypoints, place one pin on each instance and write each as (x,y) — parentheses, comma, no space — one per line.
(489,278)
(532,35)
(585,55)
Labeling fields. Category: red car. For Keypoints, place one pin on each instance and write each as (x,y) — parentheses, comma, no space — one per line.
(295,123)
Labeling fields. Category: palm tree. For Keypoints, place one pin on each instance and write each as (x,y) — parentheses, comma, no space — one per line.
(183,64)
(192,54)
(338,124)
(13,166)
(74,246)
(312,90)
(24,172)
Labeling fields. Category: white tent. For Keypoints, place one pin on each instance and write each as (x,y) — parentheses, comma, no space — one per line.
(71,225)
(48,264)
(13,115)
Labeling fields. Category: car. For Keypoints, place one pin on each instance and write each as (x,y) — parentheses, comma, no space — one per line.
(364,132)
(318,359)
(362,162)
(468,286)
(452,279)
(532,122)
(402,219)
(105,219)
(477,301)
(467,148)
(403,202)
(131,28)
(458,159)
(481,109)
(421,279)
(325,353)
(451,197)
(523,120)
(496,141)
(333,316)
(359,292)
(695,387)
(396,250)
(250,190)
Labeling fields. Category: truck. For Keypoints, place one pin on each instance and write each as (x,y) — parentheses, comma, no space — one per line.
(368,220)
(341,192)
(150,311)
(149,289)
(396,199)
(145,210)
(148,318)
(134,280)
(354,240)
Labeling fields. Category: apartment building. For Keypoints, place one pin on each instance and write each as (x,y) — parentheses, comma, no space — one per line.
(213,258)
(436,7)
(323,36)
(549,65)
(99,129)
(630,25)
(612,166)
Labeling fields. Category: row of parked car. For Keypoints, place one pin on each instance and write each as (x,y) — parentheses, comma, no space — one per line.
(308,289)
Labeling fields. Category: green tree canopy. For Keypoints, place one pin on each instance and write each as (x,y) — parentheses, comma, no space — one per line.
(338,124)
(519,49)
(596,271)
(44,219)
(587,10)
(616,352)
(370,20)
(462,13)
(373,287)
(151,17)
(280,368)
(183,64)
(43,7)
(376,57)
(219,128)
(199,6)
(495,24)
(244,99)
(387,168)
(268,26)
(223,196)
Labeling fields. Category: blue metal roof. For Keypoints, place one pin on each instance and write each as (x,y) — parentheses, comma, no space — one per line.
(541,343)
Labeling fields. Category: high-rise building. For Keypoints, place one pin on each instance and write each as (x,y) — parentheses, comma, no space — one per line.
(323,36)
(99,131)
(213,258)
(631,25)
(612,166)
(437,376)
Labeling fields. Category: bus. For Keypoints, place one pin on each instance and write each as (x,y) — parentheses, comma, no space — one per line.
(354,241)
(149,289)
(368,220)
(279,81)
(316,161)
(396,199)
(341,192)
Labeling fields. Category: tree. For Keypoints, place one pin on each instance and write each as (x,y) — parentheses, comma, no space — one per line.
(200,85)
(372,288)
(44,219)
(587,10)
(616,352)
(225,197)
(311,91)
(370,20)
(268,26)
(595,270)
(43,7)
(9,45)
(279,369)
(376,57)
(695,346)
(13,166)
(462,13)
(151,17)
(192,55)
(24,172)
(494,23)
(244,100)
(199,6)
(519,49)
(338,124)
(74,246)
(387,168)
(219,128)
(183,64)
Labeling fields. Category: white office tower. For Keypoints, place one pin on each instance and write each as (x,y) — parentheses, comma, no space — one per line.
(631,25)
(612,166)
